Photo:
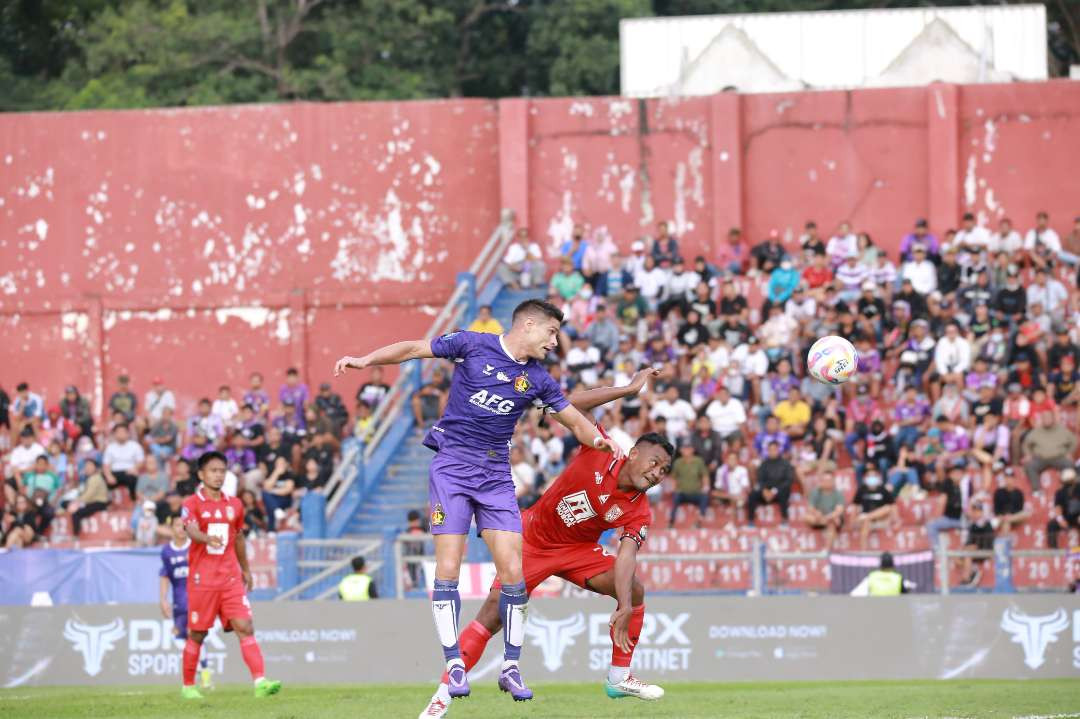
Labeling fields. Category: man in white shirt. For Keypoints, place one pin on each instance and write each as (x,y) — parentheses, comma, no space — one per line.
(636,261)
(677,411)
(522,265)
(157,400)
(1006,239)
(548,451)
(681,283)
(582,360)
(801,306)
(842,244)
(23,456)
(1048,292)
(952,356)
(732,480)
(727,414)
(1042,239)
(650,281)
(971,236)
(921,271)
(225,407)
(522,473)
(122,460)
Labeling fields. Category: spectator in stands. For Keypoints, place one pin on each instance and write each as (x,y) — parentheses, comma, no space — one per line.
(429,401)
(793,414)
(27,408)
(277,491)
(920,271)
(239,458)
(254,516)
(158,399)
(330,405)
(364,425)
(911,415)
(1006,240)
(485,323)
(1066,511)
(810,241)
(195,447)
(603,332)
(990,442)
(146,525)
(122,460)
(257,397)
(731,483)
(374,390)
(153,481)
(861,411)
(1048,292)
(726,414)
(21,460)
(952,516)
(825,509)
(19,530)
(691,477)
(1041,243)
(1048,445)
(775,477)
(980,537)
(206,423)
(707,444)
(768,254)
(952,356)
(42,478)
(664,246)
(841,245)
(547,450)
(93,499)
(225,407)
(875,503)
(769,435)
(817,275)
(296,393)
(522,265)
(1010,507)
(523,473)
(678,413)
(732,255)
(850,276)
(567,282)
(358,586)
(314,475)
(123,400)
(75,408)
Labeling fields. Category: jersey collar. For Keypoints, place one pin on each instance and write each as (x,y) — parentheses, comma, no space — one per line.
(502,344)
(614,467)
(183,546)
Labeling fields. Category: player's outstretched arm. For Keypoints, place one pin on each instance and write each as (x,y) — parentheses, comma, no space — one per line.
(585,432)
(390,354)
(589,399)
(625,565)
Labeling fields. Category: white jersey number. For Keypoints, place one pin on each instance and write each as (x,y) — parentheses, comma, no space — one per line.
(220,530)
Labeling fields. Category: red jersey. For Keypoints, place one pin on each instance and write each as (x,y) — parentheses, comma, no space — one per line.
(214,567)
(584,502)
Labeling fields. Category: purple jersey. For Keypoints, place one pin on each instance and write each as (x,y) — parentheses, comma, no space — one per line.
(174,567)
(298,395)
(489,391)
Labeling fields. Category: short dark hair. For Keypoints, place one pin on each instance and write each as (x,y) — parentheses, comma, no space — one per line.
(205,400)
(207,457)
(27,431)
(358,564)
(968,216)
(413,515)
(540,307)
(486,307)
(887,560)
(22,387)
(122,425)
(292,370)
(659,440)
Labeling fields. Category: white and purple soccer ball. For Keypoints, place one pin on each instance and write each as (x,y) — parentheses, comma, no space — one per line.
(832,360)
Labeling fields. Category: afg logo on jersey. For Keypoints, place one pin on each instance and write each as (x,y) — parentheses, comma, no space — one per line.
(492,402)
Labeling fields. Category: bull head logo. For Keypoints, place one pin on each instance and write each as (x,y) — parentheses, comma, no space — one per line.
(1034,634)
(93,641)
(553,636)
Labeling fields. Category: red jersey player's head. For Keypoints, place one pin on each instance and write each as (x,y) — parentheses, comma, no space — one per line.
(212,466)
(535,328)
(647,462)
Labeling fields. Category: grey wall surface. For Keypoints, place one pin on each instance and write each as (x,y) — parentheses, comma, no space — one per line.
(714,639)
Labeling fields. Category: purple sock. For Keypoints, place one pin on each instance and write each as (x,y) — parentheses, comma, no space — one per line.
(512,601)
(446,608)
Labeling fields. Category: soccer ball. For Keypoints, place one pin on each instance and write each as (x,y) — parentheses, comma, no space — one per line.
(832,360)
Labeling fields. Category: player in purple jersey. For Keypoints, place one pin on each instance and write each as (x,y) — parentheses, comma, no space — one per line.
(174,572)
(497,378)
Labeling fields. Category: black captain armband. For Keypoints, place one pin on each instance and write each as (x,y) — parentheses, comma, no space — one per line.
(637,537)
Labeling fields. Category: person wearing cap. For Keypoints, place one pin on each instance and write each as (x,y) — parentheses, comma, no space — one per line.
(920,270)
(919,236)
(948,272)
(636,261)
(156,400)
(1066,511)
(885,581)
(1050,445)
(1010,506)
(870,305)
(630,309)
(782,283)
(123,400)
(801,307)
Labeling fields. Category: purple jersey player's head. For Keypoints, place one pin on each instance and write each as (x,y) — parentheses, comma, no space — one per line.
(176,525)
(647,463)
(535,329)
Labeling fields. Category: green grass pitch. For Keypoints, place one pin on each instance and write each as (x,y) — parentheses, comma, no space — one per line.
(802,700)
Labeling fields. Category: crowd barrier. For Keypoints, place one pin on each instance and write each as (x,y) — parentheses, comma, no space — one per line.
(684,638)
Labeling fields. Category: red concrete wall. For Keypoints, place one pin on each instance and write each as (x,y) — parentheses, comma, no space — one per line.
(202,244)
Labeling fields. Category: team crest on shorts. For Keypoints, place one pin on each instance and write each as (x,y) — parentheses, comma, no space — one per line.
(438,516)
(522,383)
(613,514)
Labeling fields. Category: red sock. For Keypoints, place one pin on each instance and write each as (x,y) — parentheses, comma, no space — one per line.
(471,642)
(252,657)
(619,658)
(191,661)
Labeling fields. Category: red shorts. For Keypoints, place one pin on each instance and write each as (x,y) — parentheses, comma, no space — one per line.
(576,563)
(205,605)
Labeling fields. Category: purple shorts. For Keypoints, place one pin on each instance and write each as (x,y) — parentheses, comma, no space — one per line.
(458,490)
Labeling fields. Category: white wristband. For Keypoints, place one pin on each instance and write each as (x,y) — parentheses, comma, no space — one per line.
(597,441)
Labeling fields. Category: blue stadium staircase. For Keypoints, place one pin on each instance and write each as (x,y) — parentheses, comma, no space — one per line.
(403,485)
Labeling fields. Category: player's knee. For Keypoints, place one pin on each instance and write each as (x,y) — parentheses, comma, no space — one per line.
(637,593)
(197,636)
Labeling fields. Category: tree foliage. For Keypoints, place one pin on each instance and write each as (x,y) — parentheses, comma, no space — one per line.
(81,54)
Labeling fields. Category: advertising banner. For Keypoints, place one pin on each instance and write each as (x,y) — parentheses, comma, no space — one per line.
(700,638)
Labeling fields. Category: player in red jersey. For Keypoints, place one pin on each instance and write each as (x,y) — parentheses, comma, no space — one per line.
(218,574)
(594,493)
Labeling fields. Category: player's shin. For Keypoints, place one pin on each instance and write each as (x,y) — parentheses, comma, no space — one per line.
(190,661)
(446,609)
(620,660)
(512,605)
(472,642)
(253,657)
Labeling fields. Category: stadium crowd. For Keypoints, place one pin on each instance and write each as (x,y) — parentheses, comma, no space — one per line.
(967,386)
(59,462)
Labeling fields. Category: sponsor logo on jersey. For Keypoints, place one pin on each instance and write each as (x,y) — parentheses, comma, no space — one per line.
(438,516)
(205,514)
(522,383)
(613,514)
(575,508)
(488,369)
(448,335)
(217,514)
(502,377)
(492,402)
(604,498)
